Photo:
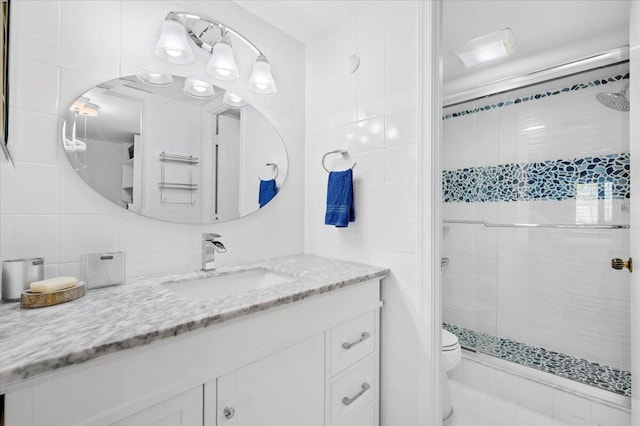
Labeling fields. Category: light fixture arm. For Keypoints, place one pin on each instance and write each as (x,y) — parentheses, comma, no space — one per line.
(184,18)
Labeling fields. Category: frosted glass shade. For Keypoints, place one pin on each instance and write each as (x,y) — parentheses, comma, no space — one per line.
(198,89)
(222,66)
(89,110)
(233,101)
(173,46)
(261,81)
(156,79)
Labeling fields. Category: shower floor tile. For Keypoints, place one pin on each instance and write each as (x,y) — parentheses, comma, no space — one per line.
(472,407)
(580,370)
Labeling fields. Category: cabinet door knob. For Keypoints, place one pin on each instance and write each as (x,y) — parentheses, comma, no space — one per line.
(621,264)
(229,412)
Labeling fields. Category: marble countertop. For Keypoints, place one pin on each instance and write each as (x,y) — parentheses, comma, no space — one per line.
(37,341)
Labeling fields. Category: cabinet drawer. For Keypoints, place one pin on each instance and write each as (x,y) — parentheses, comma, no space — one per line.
(366,417)
(352,341)
(351,393)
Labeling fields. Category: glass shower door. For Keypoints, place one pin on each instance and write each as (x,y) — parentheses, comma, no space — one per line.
(541,221)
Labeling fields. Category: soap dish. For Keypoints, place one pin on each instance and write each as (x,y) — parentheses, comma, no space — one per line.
(30,300)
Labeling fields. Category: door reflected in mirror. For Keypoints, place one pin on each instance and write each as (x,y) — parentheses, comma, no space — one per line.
(174,148)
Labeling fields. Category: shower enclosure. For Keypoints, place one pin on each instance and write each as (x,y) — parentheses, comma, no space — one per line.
(535,207)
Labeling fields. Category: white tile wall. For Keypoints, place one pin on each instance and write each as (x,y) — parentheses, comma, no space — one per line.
(373,114)
(60,49)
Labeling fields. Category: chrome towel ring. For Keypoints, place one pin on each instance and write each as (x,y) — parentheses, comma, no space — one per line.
(343,152)
(275,167)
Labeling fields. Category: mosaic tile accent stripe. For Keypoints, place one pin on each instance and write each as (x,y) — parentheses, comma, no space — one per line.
(593,177)
(580,370)
(538,96)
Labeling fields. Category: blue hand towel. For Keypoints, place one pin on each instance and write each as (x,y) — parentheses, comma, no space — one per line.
(340,209)
(268,190)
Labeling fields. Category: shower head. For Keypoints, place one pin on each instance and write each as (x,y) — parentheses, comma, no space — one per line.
(617,101)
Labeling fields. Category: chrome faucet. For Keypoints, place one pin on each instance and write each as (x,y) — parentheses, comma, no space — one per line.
(209,248)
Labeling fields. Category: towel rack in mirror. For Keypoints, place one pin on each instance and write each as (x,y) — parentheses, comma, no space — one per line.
(343,152)
(275,167)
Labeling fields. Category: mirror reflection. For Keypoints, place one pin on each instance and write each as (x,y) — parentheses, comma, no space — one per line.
(174,148)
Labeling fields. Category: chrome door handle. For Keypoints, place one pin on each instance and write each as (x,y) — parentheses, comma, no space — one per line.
(228,412)
(348,401)
(619,264)
(364,336)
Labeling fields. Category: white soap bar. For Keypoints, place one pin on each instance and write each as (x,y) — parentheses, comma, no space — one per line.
(53,284)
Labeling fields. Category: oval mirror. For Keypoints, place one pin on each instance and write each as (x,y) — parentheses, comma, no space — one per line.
(174,148)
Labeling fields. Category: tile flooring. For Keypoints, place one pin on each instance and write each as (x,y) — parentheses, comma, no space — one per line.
(472,407)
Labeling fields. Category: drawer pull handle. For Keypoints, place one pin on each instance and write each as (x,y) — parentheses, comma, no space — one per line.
(348,401)
(364,336)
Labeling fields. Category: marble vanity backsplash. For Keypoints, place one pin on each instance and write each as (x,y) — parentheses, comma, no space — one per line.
(109,320)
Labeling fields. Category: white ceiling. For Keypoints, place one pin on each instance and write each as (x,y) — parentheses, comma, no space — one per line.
(305,20)
(542,29)
(548,32)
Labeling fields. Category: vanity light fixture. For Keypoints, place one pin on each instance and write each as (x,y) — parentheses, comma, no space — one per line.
(79,104)
(173,47)
(486,48)
(89,110)
(261,81)
(233,101)
(198,89)
(156,79)
(222,65)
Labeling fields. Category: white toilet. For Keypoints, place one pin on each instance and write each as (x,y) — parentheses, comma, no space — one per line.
(451,355)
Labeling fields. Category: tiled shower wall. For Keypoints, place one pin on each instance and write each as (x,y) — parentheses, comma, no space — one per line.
(59,49)
(373,114)
(545,287)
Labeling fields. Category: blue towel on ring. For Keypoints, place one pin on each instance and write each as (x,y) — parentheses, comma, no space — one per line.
(340,209)
(268,190)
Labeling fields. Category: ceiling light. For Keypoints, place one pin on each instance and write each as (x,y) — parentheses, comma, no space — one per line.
(490,47)
(222,65)
(173,45)
(198,89)
(78,104)
(89,110)
(261,81)
(156,79)
(233,101)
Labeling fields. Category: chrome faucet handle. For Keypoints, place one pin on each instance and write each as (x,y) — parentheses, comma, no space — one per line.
(210,236)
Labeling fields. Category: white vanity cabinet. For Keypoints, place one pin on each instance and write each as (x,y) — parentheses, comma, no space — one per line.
(314,362)
(284,389)
(181,410)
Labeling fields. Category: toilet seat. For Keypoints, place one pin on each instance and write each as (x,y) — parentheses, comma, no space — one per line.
(449,341)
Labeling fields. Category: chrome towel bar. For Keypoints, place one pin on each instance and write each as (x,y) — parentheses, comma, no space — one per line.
(538,225)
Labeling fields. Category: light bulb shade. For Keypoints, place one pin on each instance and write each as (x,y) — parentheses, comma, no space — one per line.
(198,89)
(89,110)
(222,66)
(233,101)
(79,104)
(173,46)
(156,79)
(261,81)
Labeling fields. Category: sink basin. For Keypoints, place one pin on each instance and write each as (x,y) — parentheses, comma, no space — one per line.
(227,285)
